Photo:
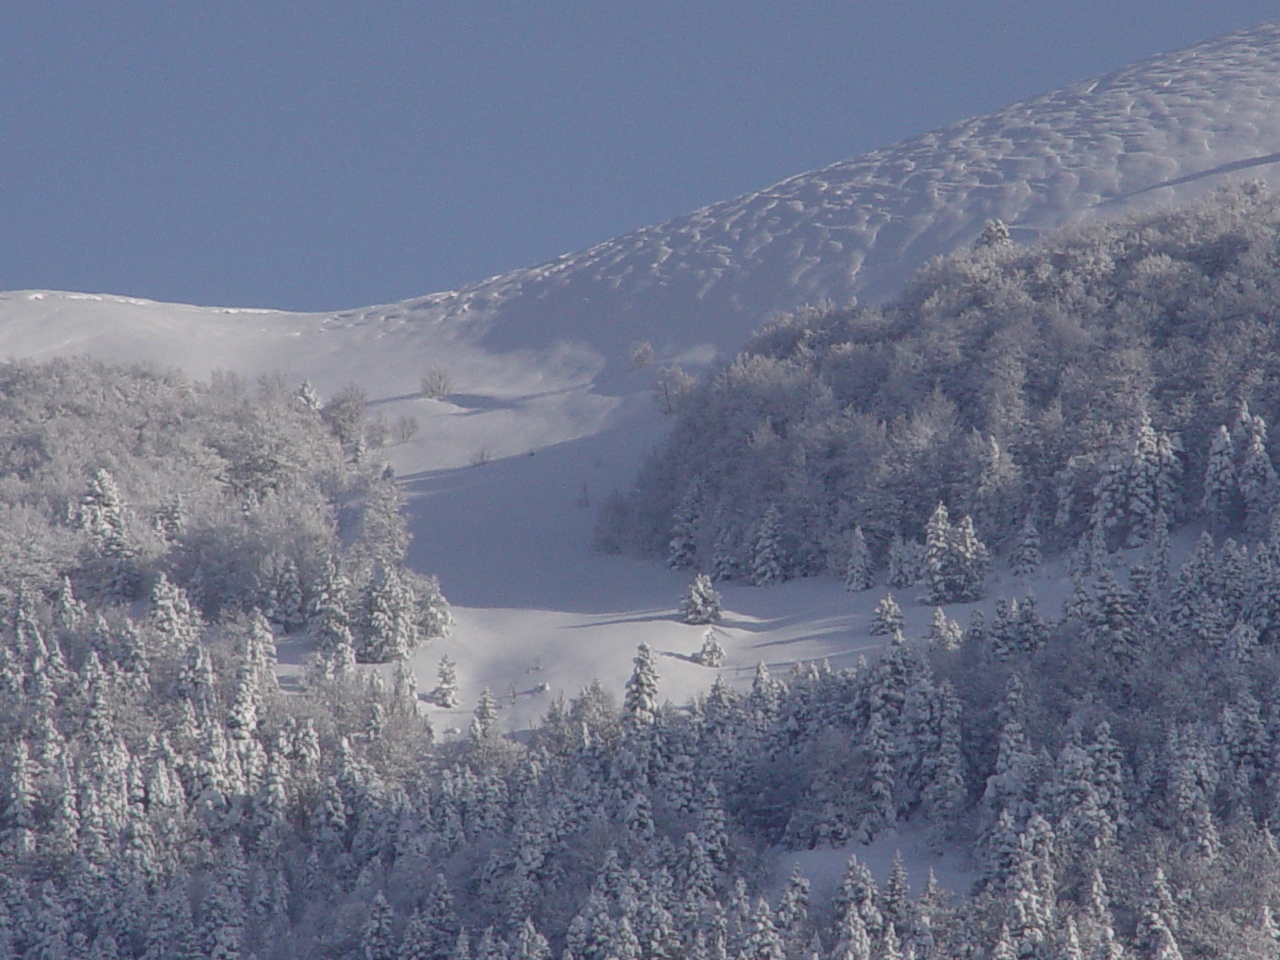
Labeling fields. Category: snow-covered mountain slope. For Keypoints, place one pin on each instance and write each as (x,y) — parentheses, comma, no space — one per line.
(538,356)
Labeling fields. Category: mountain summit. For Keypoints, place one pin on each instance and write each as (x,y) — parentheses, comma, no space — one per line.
(1161,130)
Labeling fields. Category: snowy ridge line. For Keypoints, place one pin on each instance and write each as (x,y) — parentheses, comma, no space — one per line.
(860,227)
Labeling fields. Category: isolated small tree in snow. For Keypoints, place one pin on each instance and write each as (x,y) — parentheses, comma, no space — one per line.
(446,692)
(485,718)
(702,603)
(887,618)
(436,384)
(857,571)
(711,654)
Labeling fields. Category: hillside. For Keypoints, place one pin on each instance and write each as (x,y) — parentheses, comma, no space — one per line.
(1098,377)
(219,739)
(538,357)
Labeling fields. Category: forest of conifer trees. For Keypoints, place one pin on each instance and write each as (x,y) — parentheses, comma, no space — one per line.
(1111,769)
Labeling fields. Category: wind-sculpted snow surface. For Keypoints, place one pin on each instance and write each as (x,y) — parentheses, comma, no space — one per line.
(1158,131)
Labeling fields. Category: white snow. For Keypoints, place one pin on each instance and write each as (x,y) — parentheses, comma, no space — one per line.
(542,389)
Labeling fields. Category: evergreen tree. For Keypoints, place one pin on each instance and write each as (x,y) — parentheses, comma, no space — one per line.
(377,938)
(905,562)
(682,548)
(102,516)
(711,653)
(176,624)
(1257,477)
(529,943)
(1221,490)
(390,627)
(701,604)
(944,632)
(886,620)
(937,555)
(484,720)
(857,570)
(1025,560)
(222,930)
(641,703)
(766,563)
(446,692)
(955,560)
(330,620)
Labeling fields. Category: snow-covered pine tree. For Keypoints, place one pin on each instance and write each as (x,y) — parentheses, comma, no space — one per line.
(701,604)
(905,563)
(485,718)
(956,562)
(640,707)
(724,554)
(682,549)
(857,570)
(886,619)
(390,626)
(938,558)
(1221,489)
(972,562)
(176,624)
(102,516)
(445,693)
(711,653)
(1025,558)
(377,938)
(433,618)
(944,632)
(330,620)
(766,555)
(1144,483)
(1257,478)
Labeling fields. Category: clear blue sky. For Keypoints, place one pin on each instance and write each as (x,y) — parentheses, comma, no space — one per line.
(319,154)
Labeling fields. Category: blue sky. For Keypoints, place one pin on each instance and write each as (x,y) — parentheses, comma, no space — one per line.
(326,154)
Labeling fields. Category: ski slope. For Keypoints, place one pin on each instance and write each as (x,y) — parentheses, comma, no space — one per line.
(545,403)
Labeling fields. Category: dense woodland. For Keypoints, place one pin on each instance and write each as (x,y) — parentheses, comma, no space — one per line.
(1006,382)
(1113,770)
